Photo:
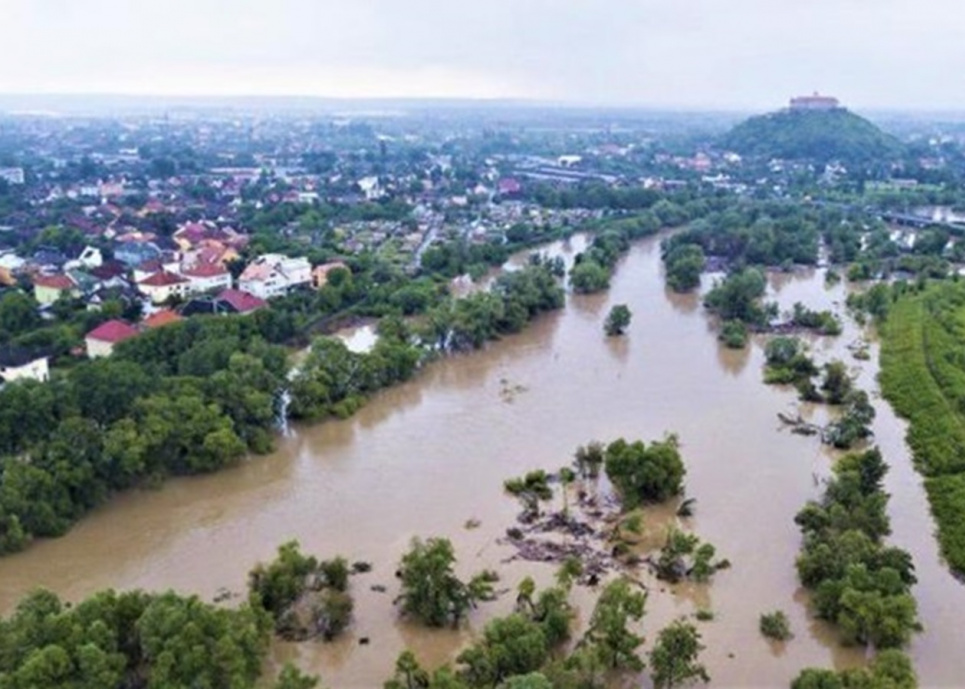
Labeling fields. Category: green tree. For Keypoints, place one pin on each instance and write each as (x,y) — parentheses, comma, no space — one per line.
(512,645)
(431,591)
(775,625)
(278,585)
(645,473)
(673,660)
(291,677)
(588,277)
(617,320)
(609,633)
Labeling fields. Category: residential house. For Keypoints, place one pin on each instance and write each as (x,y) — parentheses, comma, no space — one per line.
(163,285)
(210,251)
(10,265)
(194,234)
(102,339)
(90,257)
(273,275)
(207,277)
(18,363)
(320,273)
(49,288)
(238,301)
(165,262)
(134,253)
(371,188)
(229,301)
(48,260)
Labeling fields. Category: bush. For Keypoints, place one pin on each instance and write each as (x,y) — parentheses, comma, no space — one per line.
(617,320)
(734,335)
(776,626)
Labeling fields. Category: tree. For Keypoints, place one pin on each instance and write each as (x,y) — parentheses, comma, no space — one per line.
(837,383)
(673,660)
(291,677)
(431,592)
(609,634)
(617,320)
(535,680)
(588,277)
(738,296)
(643,473)
(512,645)
(775,626)
(684,264)
(588,459)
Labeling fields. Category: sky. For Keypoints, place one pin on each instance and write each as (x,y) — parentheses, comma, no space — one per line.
(694,54)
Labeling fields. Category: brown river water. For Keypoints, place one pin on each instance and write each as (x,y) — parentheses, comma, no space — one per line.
(423,458)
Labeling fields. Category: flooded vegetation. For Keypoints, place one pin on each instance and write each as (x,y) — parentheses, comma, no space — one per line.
(428,458)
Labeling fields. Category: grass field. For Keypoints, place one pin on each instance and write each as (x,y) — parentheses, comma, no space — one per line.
(923,376)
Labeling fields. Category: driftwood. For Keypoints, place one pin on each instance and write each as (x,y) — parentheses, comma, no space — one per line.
(582,533)
(800,426)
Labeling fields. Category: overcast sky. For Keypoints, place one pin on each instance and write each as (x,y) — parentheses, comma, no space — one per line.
(665,53)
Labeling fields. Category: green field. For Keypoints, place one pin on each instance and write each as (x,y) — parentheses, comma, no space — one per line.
(923,376)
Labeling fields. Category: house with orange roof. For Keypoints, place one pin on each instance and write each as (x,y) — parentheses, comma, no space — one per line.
(161,318)
(320,273)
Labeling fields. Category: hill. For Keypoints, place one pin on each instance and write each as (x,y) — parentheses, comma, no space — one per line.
(819,135)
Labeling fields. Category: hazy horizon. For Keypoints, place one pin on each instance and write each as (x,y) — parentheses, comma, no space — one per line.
(695,55)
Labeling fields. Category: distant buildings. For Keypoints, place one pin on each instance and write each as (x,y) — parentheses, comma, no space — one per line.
(12,175)
(815,102)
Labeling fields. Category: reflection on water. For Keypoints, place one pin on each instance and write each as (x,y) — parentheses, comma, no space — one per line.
(422,458)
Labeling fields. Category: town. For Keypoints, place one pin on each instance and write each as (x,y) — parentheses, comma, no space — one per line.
(111,224)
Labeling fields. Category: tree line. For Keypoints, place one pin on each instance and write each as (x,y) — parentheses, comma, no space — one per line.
(860,585)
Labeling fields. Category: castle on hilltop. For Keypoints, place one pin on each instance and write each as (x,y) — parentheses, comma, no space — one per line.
(815,102)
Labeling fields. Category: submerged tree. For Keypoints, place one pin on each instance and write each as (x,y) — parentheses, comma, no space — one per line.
(617,320)
(645,473)
(431,591)
(673,660)
(609,635)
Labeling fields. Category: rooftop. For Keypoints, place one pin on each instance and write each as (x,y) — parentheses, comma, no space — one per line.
(241,301)
(162,317)
(112,331)
(163,279)
(59,282)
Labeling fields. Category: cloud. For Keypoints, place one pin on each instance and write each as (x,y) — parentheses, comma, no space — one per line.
(706,53)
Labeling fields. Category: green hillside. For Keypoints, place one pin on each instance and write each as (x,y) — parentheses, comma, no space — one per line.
(819,135)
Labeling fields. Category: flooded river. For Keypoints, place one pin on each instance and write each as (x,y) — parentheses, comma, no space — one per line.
(425,457)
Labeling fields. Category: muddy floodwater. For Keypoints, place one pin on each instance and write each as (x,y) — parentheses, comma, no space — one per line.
(425,457)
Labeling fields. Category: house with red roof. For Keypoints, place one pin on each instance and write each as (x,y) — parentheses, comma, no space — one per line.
(49,288)
(162,285)
(102,339)
(207,277)
(241,302)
